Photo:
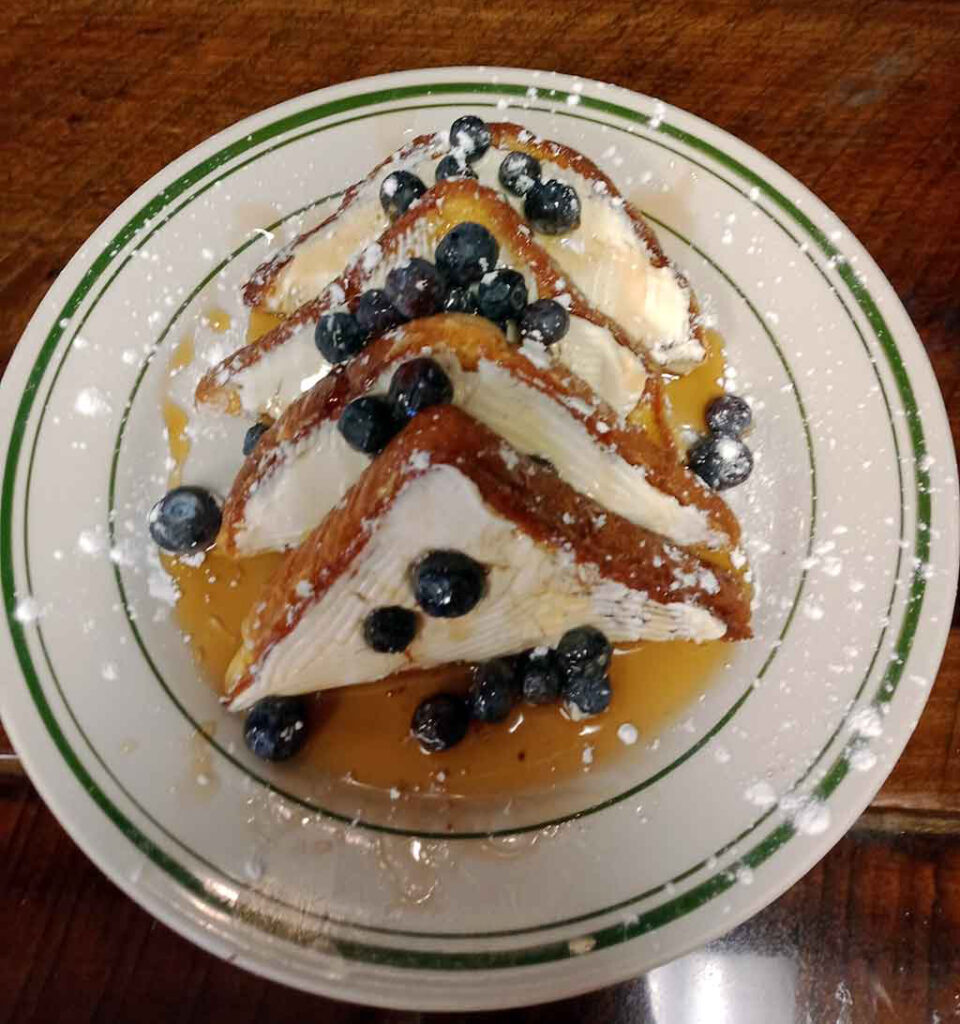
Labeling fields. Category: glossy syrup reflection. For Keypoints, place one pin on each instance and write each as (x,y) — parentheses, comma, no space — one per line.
(362,732)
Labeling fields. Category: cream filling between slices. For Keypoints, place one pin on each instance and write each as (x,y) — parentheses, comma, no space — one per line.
(610,264)
(318,471)
(314,475)
(536,424)
(534,594)
(589,351)
(281,374)
(613,371)
(320,259)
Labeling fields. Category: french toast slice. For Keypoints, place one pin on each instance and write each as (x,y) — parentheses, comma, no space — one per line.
(265,376)
(552,559)
(614,258)
(302,466)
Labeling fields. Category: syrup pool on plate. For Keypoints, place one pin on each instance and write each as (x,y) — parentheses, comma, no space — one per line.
(363,732)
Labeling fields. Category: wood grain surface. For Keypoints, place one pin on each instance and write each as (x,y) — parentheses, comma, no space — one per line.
(859,100)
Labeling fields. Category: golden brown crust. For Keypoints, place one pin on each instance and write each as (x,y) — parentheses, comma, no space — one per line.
(517,488)
(441,208)
(470,339)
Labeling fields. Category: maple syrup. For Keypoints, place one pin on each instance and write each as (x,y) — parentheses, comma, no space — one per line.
(363,732)
(260,322)
(689,396)
(175,417)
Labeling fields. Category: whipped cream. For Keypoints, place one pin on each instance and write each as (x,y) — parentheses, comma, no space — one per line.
(281,374)
(537,424)
(319,259)
(593,354)
(286,505)
(534,594)
(610,264)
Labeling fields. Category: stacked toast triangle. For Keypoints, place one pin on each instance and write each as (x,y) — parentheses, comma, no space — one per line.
(265,376)
(634,283)
(302,466)
(411,413)
(552,559)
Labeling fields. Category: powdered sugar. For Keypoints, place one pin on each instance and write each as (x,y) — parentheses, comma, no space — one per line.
(92,402)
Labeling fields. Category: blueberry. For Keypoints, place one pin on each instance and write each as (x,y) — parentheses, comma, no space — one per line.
(448,584)
(467,252)
(502,295)
(459,300)
(185,519)
(416,385)
(493,691)
(553,208)
(252,437)
(375,313)
(390,630)
(440,722)
(588,694)
(452,166)
(584,652)
(338,336)
(545,321)
(584,656)
(540,677)
(730,415)
(519,172)
(398,190)
(368,424)
(470,136)
(276,727)
(415,288)
(720,462)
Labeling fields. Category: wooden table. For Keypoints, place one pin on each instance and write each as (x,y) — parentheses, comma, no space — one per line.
(859,100)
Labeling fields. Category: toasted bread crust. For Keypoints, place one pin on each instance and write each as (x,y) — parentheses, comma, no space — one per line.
(441,208)
(519,489)
(470,339)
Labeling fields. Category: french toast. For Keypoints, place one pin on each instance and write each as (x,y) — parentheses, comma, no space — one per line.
(265,376)
(614,258)
(467,463)
(551,558)
(302,465)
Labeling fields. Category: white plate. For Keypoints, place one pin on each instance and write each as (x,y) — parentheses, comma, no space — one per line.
(851,515)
